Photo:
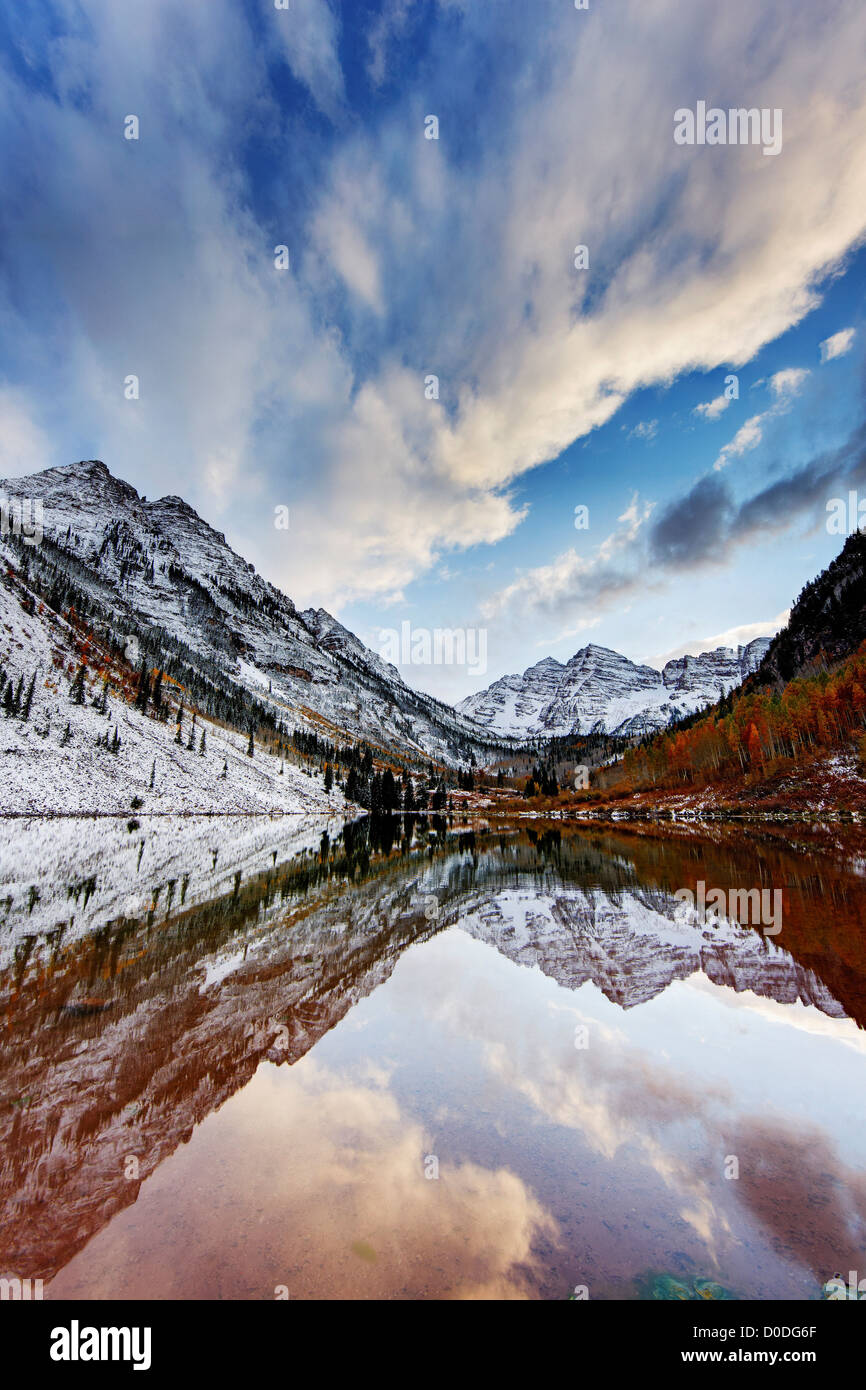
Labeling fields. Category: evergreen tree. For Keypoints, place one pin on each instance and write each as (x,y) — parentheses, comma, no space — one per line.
(390,794)
(28,698)
(77,695)
(202,746)
(329,777)
(156,696)
(251,746)
(152,774)
(100,704)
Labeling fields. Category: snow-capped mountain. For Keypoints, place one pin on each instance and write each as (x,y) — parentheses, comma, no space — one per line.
(599,690)
(155,570)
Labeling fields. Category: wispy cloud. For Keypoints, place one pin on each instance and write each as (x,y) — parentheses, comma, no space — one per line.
(24,446)
(739,636)
(308,32)
(385,28)
(700,529)
(409,258)
(838,345)
(783,386)
(646,429)
(572,580)
(711,410)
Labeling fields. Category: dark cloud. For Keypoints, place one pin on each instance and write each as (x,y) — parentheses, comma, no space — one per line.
(807,490)
(705,526)
(688,531)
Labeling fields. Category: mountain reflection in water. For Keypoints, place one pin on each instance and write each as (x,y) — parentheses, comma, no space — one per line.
(411,1062)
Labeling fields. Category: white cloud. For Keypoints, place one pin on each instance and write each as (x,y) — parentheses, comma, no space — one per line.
(584,625)
(784,386)
(647,429)
(412,257)
(24,446)
(739,636)
(788,382)
(838,345)
(573,579)
(711,410)
(308,32)
(748,437)
(387,25)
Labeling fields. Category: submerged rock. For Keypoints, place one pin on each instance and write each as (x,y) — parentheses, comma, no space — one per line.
(668,1288)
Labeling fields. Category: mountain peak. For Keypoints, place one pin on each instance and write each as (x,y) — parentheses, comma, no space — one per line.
(158,565)
(594,652)
(175,504)
(88,467)
(600,689)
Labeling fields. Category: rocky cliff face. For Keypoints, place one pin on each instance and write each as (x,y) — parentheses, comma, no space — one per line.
(714,671)
(155,567)
(599,690)
(827,622)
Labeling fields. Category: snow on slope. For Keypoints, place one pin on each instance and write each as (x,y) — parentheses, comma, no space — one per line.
(601,690)
(158,565)
(43,770)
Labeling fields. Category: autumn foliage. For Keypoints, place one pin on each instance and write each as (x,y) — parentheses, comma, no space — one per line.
(754,734)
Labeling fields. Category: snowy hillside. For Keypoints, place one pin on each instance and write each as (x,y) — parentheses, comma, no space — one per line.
(73,757)
(151,580)
(600,690)
(160,573)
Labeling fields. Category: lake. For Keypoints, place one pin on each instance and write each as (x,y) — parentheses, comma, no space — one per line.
(261,1058)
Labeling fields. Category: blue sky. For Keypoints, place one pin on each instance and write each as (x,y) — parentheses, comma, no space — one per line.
(411,257)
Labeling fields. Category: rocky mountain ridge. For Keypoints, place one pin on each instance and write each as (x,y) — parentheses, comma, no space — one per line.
(600,690)
(828,620)
(157,571)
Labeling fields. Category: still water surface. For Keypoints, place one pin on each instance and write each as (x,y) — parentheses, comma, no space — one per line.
(424,1063)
